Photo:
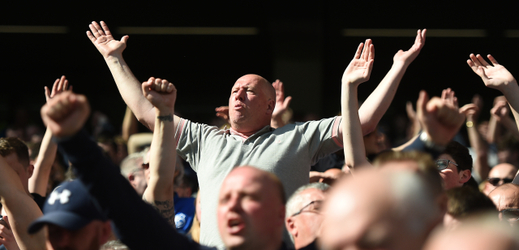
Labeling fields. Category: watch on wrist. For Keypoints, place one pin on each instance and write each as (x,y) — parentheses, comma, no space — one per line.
(426,139)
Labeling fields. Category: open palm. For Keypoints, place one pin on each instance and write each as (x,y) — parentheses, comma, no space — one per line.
(359,69)
(102,38)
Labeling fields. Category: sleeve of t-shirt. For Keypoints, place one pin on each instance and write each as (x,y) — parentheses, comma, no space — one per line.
(322,136)
(190,138)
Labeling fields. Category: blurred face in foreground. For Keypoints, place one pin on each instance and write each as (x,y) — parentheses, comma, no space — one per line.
(251,211)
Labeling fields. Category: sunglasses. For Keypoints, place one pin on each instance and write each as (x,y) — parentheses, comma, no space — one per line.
(314,206)
(511,214)
(444,163)
(495,181)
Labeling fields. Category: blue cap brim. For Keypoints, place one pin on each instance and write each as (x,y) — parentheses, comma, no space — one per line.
(62,219)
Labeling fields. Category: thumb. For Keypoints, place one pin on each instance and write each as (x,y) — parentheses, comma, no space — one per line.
(6,219)
(124,39)
(423,98)
(287,101)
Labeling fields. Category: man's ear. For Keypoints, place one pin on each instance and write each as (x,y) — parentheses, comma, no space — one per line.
(465,175)
(131,177)
(30,171)
(271,104)
(291,226)
(106,232)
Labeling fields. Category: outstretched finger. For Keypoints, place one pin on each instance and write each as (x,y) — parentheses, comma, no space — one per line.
(94,30)
(61,85)
(482,60)
(98,28)
(371,55)
(365,51)
(47,93)
(105,28)
(475,60)
(359,51)
(492,59)
(55,87)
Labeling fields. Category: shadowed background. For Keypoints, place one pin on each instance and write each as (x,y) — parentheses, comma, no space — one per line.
(204,47)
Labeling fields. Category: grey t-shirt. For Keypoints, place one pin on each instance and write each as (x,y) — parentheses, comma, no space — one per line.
(288,152)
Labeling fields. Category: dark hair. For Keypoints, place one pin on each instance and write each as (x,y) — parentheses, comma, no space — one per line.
(9,145)
(465,201)
(460,154)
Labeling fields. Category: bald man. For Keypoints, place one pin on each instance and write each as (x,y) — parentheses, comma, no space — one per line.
(288,151)
(506,199)
(390,209)
(499,175)
(480,233)
(251,210)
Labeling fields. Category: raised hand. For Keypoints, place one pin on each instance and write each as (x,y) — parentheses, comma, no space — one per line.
(407,57)
(102,38)
(161,93)
(65,114)
(282,104)
(500,110)
(359,69)
(6,235)
(440,117)
(60,85)
(223,112)
(493,75)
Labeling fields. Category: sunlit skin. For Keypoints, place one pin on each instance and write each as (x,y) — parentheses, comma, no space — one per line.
(305,227)
(503,170)
(24,172)
(358,215)
(504,197)
(251,104)
(451,177)
(250,210)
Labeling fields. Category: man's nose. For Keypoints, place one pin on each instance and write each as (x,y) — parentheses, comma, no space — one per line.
(239,95)
(234,204)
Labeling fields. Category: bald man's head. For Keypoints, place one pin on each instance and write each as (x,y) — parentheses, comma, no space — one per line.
(479,233)
(499,175)
(364,211)
(251,104)
(506,199)
(251,209)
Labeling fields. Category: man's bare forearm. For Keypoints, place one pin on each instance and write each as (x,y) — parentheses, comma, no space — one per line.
(379,100)
(130,89)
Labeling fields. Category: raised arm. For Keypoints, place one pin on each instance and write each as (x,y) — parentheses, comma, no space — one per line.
(357,72)
(501,113)
(440,119)
(21,211)
(127,83)
(162,94)
(65,115)
(47,154)
(496,76)
(379,100)
(478,144)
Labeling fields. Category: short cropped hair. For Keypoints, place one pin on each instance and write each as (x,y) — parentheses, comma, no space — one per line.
(460,154)
(295,199)
(9,145)
(131,163)
(465,201)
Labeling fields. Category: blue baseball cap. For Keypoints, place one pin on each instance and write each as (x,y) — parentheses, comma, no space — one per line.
(69,206)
